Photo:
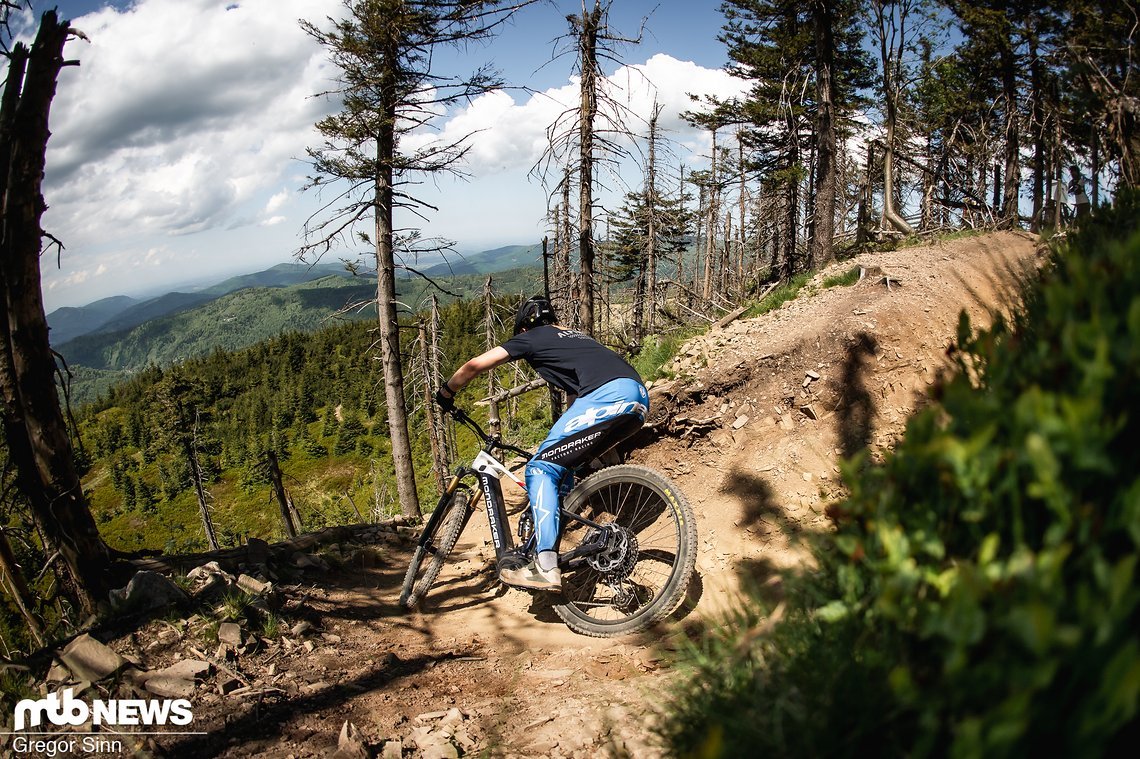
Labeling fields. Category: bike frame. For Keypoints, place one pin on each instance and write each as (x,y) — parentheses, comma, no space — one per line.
(488,470)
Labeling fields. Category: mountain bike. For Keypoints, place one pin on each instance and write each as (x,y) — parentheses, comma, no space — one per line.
(628,540)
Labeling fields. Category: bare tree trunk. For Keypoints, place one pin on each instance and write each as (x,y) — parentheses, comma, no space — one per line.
(446,453)
(890,216)
(713,218)
(682,252)
(1010,215)
(489,343)
(386,310)
(1095,149)
(826,181)
(742,233)
(562,262)
(651,204)
(699,244)
(1037,118)
(726,284)
(13,580)
(588,50)
(34,425)
(279,493)
(890,56)
(430,381)
(200,492)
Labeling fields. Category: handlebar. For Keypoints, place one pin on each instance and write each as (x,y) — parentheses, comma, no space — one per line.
(490,442)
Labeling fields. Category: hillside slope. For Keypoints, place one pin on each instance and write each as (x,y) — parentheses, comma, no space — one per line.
(752,428)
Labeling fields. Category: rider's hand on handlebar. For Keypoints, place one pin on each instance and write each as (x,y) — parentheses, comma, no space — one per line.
(447,403)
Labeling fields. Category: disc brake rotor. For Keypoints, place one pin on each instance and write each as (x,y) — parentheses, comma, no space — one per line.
(615,561)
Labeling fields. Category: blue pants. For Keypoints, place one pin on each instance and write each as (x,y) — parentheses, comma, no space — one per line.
(591,426)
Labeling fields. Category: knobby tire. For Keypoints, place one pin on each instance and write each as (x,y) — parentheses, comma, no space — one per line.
(429,556)
(657,513)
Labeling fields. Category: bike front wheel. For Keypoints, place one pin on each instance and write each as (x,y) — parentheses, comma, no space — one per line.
(650,549)
(430,554)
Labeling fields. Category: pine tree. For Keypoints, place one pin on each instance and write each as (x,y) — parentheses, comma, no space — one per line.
(385,51)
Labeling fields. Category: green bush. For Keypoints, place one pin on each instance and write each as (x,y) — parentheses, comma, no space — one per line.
(979,596)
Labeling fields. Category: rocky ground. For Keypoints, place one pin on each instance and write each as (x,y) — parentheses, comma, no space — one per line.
(752,427)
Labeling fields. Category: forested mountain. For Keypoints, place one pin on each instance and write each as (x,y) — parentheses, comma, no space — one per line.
(249,316)
(71,321)
(315,400)
(507,257)
(120,313)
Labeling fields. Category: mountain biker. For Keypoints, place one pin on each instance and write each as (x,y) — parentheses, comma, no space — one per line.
(609,403)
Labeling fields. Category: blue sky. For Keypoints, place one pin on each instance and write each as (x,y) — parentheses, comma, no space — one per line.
(176,147)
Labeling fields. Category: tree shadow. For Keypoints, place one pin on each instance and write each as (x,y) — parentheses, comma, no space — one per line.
(854,425)
(757,500)
(264,720)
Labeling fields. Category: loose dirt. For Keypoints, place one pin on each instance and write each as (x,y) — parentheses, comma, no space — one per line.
(752,429)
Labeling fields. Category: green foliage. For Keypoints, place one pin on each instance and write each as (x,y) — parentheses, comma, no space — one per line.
(846,279)
(979,596)
(315,399)
(656,353)
(247,317)
(778,297)
(233,607)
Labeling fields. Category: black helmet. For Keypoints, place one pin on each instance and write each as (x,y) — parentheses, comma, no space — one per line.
(533,312)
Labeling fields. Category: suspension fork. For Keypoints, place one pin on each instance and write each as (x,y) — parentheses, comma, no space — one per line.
(428,532)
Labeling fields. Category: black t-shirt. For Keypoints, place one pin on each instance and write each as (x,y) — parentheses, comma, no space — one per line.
(570,360)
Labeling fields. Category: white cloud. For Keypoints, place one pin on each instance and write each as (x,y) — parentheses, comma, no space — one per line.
(278,200)
(180,111)
(273,221)
(508,135)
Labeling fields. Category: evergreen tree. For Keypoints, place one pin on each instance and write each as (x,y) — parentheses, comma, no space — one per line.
(385,50)
(806,67)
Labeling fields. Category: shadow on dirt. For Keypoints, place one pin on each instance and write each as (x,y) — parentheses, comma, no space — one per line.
(263,721)
(758,502)
(854,425)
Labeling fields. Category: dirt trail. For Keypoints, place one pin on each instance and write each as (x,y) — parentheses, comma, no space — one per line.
(752,428)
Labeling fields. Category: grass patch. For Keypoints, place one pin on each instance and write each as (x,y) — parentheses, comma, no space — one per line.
(846,279)
(658,351)
(778,297)
(233,607)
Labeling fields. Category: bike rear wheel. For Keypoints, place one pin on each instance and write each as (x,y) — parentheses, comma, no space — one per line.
(430,554)
(642,576)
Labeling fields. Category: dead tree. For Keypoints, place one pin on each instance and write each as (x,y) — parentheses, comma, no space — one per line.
(576,132)
(34,425)
(279,493)
(490,342)
(891,33)
(428,384)
(385,51)
(652,222)
(446,448)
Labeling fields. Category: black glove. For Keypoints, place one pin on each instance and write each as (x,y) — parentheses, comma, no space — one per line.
(446,403)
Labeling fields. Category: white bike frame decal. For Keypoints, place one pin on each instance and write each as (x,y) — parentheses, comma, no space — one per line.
(485,463)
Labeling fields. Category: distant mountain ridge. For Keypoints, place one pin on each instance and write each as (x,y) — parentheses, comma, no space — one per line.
(489,261)
(120,312)
(194,324)
(72,321)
